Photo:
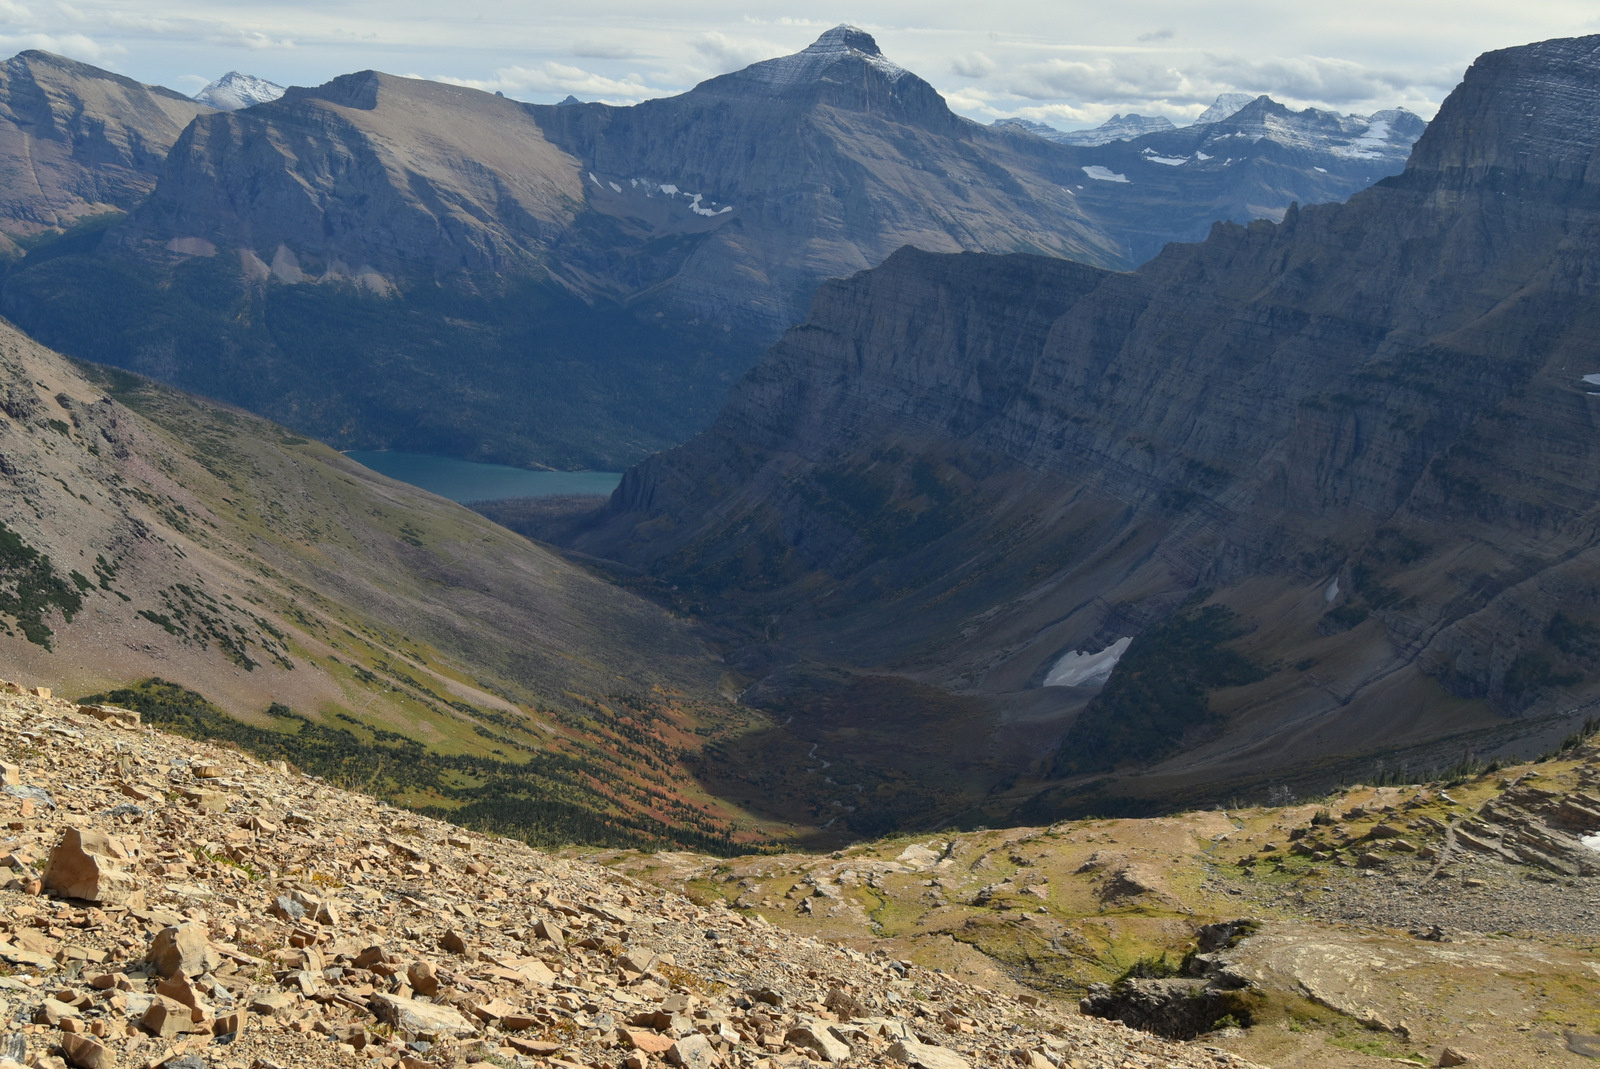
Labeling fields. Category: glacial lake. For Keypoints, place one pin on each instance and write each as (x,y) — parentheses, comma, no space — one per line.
(466,480)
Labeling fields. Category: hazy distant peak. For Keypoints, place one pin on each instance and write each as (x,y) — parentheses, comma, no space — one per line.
(1227,105)
(235,90)
(1116,128)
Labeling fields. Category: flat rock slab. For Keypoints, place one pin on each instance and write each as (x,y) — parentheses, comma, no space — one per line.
(420,1018)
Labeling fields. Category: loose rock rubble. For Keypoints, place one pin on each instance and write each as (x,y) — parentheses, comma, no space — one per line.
(170,903)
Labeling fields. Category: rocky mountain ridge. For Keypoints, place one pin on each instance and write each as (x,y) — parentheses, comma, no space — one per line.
(76,142)
(1360,436)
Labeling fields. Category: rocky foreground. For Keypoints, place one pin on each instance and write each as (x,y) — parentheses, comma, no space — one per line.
(178,904)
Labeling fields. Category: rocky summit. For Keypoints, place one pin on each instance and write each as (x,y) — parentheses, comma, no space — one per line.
(179,905)
(1333,479)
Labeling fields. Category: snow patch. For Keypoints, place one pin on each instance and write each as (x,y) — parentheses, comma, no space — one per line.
(1104,174)
(595,180)
(1592,841)
(1320,170)
(694,206)
(1332,592)
(1592,380)
(1202,157)
(1079,669)
(1170,161)
(670,190)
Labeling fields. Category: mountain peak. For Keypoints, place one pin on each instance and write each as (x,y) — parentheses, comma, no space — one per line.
(235,90)
(846,38)
(1227,105)
(842,44)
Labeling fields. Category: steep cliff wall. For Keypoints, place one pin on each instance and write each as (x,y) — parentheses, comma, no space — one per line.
(1365,429)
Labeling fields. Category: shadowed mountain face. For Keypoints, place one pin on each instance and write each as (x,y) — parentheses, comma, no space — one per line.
(1356,448)
(77,141)
(386,262)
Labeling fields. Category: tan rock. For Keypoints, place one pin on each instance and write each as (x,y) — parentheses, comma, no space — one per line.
(423,980)
(553,933)
(649,1042)
(53,1012)
(231,1024)
(166,1018)
(10,774)
(454,942)
(186,947)
(86,865)
(814,1035)
(207,801)
(274,1003)
(420,1018)
(926,1056)
(87,1053)
(692,1052)
(1451,1056)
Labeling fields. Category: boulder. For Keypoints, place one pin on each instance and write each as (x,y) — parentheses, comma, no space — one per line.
(926,1056)
(183,947)
(420,1018)
(815,1036)
(87,1053)
(692,1052)
(85,864)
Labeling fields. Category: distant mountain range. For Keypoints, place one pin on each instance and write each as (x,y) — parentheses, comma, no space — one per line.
(1324,491)
(387,262)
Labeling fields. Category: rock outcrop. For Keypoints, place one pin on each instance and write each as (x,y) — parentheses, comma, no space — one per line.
(1366,429)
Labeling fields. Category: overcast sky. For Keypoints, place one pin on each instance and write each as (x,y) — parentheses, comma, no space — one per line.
(1068,64)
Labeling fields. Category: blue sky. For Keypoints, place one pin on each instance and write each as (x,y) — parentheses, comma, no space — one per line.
(1067,64)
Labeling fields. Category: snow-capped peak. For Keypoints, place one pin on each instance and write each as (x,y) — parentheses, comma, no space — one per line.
(234,91)
(838,44)
(1227,105)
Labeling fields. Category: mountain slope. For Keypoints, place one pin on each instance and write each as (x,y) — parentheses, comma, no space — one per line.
(77,141)
(150,534)
(1361,435)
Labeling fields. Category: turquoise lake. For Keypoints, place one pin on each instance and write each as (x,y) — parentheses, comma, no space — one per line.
(465,480)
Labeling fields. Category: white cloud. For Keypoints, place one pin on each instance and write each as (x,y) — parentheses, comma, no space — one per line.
(1070,63)
(724,53)
(560,79)
(973,65)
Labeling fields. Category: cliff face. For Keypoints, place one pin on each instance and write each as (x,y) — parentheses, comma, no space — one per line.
(76,140)
(1365,429)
